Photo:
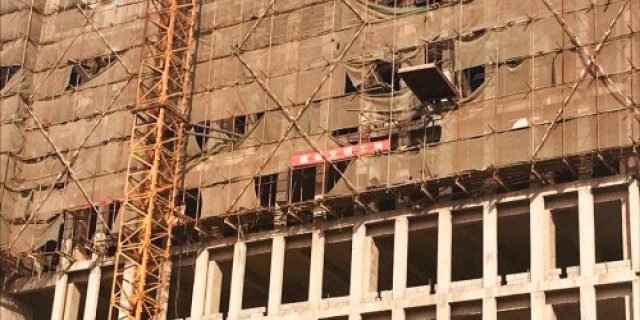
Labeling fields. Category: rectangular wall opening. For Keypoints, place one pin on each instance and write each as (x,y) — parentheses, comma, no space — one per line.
(608,218)
(565,304)
(381,254)
(106,281)
(567,238)
(516,307)
(381,315)
(336,275)
(420,313)
(422,256)
(76,296)
(297,267)
(180,290)
(467,244)
(255,293)
(39,302)
(303,184)
(514,253)
(219,282)
(467,310)
(614,301)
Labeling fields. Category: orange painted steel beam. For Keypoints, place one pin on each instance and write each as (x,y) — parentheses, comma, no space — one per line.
(142,261)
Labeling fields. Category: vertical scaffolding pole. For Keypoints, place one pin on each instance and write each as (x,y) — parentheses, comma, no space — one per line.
(155,161)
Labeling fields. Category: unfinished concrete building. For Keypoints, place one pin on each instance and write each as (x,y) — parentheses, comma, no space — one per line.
(345,159)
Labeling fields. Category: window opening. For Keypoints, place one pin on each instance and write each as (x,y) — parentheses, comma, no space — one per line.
(6,72)
(303,183)
(266,188)
(333,175)
(85,70)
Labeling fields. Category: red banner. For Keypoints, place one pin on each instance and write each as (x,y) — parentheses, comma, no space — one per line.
(344,153)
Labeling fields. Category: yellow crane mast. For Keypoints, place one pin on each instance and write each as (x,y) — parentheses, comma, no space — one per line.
(142,261)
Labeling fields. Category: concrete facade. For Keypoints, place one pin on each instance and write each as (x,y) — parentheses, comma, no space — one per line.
(501,180)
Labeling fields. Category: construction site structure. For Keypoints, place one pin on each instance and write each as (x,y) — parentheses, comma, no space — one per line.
(154,172)
(319,159)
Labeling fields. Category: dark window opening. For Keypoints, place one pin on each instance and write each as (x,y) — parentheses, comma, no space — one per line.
(382,78)
(266,188)
(297,265)
(348,85)
(467,245)
(336,275)
(564,176)
(608,231)
(422,256)
(425,136)
(255,293)
(513,239)
(344,131)
(240,124)
(466,310)
(37,302)
(473,78)
(387,204)
(303,184)
(237,125)
(180,292)
(6,72)
(441,54)
(85,70)
(602,169)
(203,131)
(193,203)
(565,304)
(80,227)
(567,238)
(382,266)
(333,175)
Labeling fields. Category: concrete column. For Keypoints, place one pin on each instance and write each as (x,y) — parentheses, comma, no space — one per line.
(358,270)
(587,231)
(398,314)
(214,288)
(490,244)
(445,231)
(443,311)
(634,224)
(316,268)
(72,302)
(93,293)
(237,279)
(59,297)
(276,277)
(588,302)
(538,305)
(539,238)
(200,285)
(400,257)
(539,242)
(635,299)
(489,309)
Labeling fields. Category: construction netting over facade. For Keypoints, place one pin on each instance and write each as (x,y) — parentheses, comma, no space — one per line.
(527,83)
